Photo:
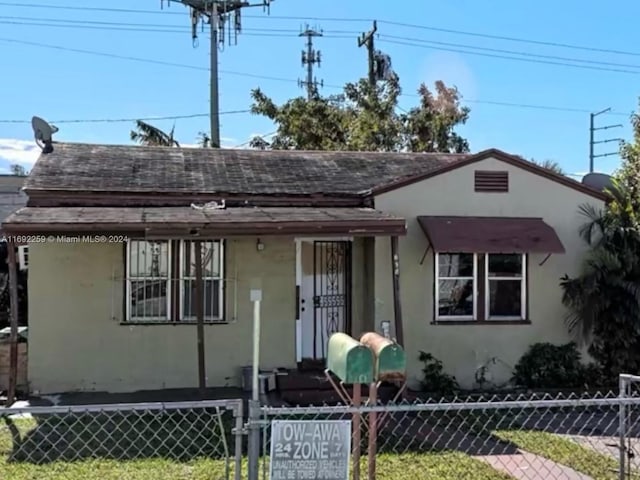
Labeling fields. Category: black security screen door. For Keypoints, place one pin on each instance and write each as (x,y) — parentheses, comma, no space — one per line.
(331,292)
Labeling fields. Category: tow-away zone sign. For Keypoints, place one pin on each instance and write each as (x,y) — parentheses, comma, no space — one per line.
(310,450)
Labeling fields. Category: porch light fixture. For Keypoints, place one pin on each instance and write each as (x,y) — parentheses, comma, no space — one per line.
(259,245)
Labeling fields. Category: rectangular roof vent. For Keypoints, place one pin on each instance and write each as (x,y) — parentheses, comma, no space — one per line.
(491,181)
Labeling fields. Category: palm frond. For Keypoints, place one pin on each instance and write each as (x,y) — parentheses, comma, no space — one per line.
(147,134)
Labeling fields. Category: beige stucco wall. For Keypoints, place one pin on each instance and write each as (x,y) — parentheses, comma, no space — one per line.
(464,348)
(78,343)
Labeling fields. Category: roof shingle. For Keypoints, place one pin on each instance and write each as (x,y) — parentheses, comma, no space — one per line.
(115,168)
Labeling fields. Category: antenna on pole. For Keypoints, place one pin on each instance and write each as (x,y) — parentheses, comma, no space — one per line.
(224,19)
(593,142)
(309,58)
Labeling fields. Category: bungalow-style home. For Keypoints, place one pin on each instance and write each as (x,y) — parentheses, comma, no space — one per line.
(456,255)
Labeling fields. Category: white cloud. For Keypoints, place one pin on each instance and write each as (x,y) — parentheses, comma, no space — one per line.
(23,152)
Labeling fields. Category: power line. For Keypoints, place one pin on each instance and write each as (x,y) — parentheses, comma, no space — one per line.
(143,25)
(511,39)
(340,19)
(511,52)
(87,9)
(165,12)
(247,32)
(151,28)
(394,39)
(144,60)
(121,120)
(505,57)
(102,54)
(288,80)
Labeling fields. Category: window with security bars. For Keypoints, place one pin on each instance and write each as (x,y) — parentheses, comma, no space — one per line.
(211,276)
(161,280)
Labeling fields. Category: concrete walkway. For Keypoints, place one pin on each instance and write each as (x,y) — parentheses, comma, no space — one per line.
(527,466)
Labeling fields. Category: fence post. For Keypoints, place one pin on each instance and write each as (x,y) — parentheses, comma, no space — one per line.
(239,428)
(622,385)
(254,440)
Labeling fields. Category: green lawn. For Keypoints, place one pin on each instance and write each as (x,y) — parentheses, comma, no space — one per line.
(434,466)
(584,460)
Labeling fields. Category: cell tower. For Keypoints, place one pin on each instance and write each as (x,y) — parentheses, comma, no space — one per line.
(309,58)
(225,22)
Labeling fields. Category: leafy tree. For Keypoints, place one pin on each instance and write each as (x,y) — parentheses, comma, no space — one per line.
(316,124)
(259,143)
(430,126)
(18,170)
(147,134)
(629,172)
(550,165)
(366,118)
(604,300)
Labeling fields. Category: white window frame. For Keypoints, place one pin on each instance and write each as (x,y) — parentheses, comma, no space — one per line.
(523,290)
(129,278)
(220,278)
(445,318)
(23,257)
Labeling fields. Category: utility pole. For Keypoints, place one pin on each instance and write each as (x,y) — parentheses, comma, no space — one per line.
(309,58)
(593,142)
(367,39)
(218,14)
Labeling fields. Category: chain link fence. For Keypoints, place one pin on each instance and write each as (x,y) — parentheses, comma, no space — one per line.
(481,438)
(499,437)
(167,439)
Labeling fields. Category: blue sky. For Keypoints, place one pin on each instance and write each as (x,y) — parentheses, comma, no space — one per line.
(57,84)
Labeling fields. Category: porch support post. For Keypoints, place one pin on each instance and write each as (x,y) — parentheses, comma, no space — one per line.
(397,307)
(13,302)
(199,299)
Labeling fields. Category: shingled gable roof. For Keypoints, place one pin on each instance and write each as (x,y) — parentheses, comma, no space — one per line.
(118,169)
(74,168)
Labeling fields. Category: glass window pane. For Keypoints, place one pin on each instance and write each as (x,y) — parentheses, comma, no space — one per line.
(505,265)
(210,259)
(211,299)
(148,258)
(455,265)
(505,298)
(149,299)
(455,298)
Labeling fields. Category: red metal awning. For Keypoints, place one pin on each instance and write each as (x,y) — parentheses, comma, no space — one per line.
(490,235)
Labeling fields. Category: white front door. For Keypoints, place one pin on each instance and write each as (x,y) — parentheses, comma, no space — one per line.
(324,294)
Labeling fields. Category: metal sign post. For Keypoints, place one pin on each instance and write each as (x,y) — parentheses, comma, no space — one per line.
(312,450)
(254,405)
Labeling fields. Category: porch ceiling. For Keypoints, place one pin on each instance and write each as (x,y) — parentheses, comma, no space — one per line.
(490,235)
(180,221)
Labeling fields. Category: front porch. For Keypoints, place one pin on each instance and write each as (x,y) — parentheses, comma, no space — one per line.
(311,264)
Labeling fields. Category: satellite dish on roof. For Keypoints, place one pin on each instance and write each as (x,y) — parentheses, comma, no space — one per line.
(599,181)
(43,133)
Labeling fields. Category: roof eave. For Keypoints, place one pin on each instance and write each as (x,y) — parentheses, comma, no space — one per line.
(391,227)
